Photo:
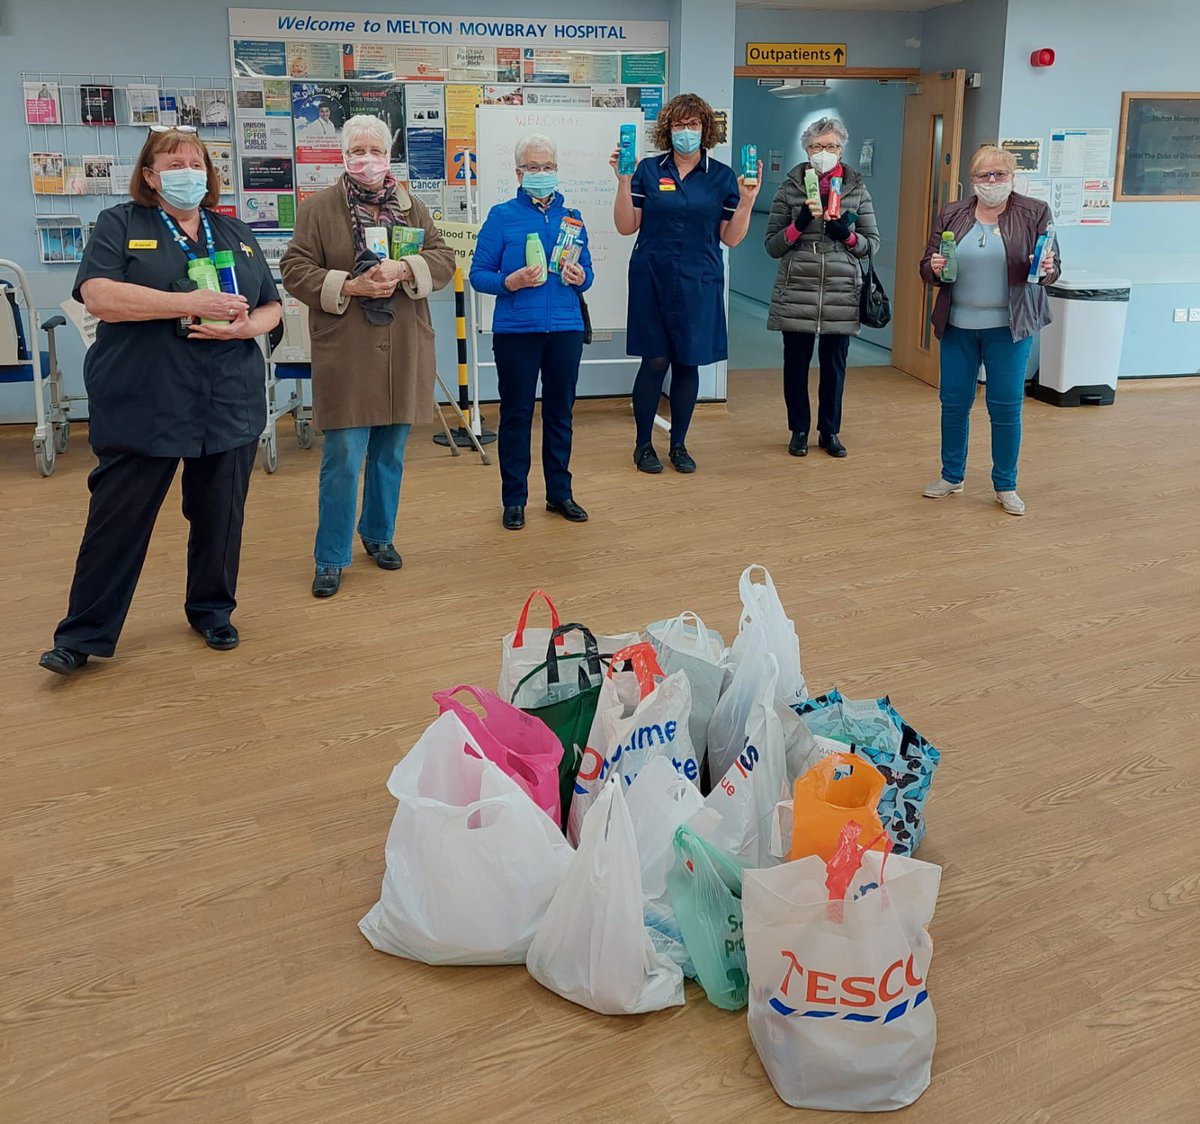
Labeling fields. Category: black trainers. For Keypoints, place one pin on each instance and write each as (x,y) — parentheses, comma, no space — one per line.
(646,459)
(682,459)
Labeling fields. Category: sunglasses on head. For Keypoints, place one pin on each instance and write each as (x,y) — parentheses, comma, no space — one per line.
(173,128)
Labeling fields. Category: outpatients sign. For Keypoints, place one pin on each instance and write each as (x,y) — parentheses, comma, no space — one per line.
(795,54)
(434,27)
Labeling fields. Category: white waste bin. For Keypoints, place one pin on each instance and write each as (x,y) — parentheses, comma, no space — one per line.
(1081,349)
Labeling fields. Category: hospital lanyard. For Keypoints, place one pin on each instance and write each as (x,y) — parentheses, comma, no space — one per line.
(178,235)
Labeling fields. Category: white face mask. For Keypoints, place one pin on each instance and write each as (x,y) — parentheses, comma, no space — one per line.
(993,194)
(824,161)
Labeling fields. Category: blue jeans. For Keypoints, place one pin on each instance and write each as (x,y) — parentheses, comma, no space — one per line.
(341,462)
(963,350)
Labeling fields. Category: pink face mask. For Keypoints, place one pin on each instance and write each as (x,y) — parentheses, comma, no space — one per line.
(367,169)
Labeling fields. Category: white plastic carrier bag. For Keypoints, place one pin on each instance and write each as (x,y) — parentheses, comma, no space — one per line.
(641,714)
(683,643)
(756,780)
(838,958)
(472,861)
(592,946)
(764,624)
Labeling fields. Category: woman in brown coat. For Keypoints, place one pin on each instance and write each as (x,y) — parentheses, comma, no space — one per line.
(373,362)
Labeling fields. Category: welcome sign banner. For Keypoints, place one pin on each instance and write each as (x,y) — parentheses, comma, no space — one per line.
(284,23)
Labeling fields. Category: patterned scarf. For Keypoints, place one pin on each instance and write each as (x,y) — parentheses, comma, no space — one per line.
(363,200)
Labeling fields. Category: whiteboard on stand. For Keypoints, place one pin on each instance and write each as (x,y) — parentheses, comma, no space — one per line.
(585,139)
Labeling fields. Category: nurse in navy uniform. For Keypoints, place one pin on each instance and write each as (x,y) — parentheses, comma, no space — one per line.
(684,206)
(162,389)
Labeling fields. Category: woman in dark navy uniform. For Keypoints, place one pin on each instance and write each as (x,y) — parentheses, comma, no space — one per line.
(684,206)
(163,389)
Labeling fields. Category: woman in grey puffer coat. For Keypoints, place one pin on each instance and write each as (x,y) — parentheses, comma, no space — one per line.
(819,281)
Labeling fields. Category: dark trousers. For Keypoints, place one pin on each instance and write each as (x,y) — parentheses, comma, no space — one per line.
(520,356)
(797,355)
(127,492)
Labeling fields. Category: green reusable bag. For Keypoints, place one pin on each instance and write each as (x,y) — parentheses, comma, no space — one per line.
(563,693)
(706,892)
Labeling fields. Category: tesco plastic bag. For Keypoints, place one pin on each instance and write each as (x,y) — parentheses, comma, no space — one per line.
(592,946)
(472,862)
(839,1006)
(641,714)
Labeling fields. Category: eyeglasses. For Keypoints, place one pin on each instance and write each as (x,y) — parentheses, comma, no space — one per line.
(534,168)
(991,177)
(824,148)
(173,128)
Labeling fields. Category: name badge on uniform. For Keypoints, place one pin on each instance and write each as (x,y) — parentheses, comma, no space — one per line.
(143,243)
(666,184)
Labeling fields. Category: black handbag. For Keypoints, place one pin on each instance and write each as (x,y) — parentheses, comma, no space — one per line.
(587,318)
(874,308)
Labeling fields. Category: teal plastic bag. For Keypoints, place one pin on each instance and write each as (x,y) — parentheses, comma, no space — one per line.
(706,892)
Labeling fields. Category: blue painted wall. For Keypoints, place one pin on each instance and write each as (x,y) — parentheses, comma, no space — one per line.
(868,110)
(178,38)
(1103,48)
(871,38)
(970,35)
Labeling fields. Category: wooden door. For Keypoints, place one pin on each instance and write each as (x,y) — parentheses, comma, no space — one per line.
(929,179)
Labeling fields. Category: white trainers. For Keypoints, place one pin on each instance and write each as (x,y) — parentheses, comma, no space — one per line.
(1011,502)
(940,489)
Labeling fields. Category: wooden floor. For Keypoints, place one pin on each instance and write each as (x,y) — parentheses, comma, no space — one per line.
(189,838)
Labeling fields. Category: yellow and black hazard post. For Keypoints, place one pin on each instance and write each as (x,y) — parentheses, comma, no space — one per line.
(461,438)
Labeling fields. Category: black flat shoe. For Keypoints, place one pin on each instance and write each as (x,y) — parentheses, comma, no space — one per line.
(223,638)
(326,582)
(832,445)
(646,459)
(681,459)
(63,661)
(514,517)
(386,556)
(799,444)
(568,509)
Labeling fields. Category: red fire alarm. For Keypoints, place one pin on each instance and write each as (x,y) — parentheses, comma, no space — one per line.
(1043,57)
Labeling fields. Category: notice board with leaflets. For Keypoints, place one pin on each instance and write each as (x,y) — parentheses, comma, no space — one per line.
(299,76)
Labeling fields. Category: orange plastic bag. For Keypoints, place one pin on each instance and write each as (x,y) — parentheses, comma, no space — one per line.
(837,789)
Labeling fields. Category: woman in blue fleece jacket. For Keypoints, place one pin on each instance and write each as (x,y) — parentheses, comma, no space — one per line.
(537,328)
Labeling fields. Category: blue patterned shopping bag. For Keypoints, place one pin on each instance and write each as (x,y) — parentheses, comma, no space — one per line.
(874,729)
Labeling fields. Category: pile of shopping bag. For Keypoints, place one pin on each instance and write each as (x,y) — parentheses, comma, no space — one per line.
(628,810)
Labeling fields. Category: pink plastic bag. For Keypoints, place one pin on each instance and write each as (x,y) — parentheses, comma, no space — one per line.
(523,746)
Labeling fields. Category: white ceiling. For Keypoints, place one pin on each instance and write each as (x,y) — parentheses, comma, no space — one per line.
(849,5)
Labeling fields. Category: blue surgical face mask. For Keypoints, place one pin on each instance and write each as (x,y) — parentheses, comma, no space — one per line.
(686,141)
(183,187)
(538,185)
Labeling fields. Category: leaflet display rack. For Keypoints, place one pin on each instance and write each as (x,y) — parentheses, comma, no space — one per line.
(77,168)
